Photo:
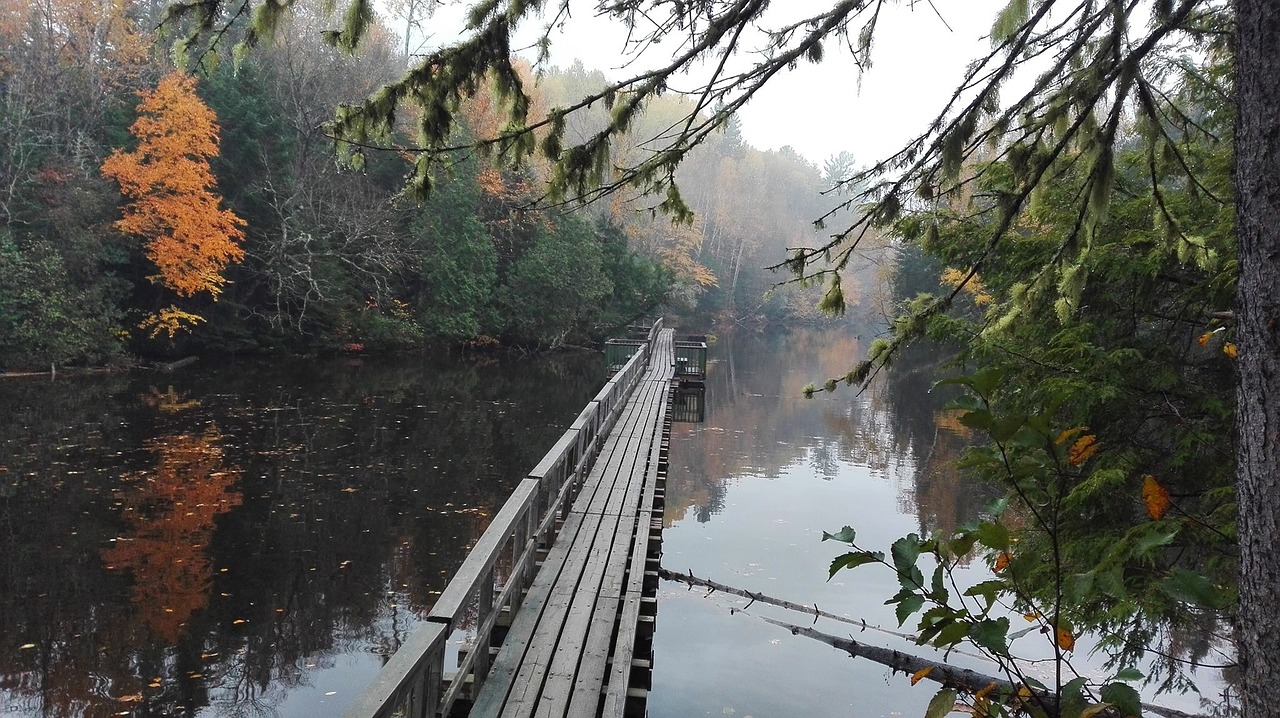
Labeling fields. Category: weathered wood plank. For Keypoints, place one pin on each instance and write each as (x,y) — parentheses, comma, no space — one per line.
(497,689)
(558,651)
(562,564)
(538,654)
(578,667)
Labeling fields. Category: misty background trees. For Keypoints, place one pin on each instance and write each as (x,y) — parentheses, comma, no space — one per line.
(335,257)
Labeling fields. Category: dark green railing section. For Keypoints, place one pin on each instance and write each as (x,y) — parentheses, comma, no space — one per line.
(492,579)
(618,351)
(691,358)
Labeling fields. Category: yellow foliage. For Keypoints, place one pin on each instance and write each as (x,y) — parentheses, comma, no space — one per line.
(920,674)
(1069,434)
(191,239)
(1002,561)
(678,254)
(169,320)
(1082,449)
(974,287)
(1155,496)
(1230,350)
(1066,641)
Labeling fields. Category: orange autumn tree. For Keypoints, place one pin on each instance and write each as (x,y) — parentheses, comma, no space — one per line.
(167,179)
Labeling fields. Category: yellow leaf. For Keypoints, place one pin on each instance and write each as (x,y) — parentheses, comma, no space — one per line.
(983,693)
(1069,434)
(1031,616)
(26,646)
(1082,449)
(1002,561)
(1066,641)
(920,674)
(1229,349)
(1204,338)
(1094,710)
(1155,496)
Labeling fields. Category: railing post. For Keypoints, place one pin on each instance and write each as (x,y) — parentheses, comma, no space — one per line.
(432,683)
(484,638)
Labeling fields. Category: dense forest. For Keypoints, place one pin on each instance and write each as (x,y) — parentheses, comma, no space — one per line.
(1104,241)
(150,212)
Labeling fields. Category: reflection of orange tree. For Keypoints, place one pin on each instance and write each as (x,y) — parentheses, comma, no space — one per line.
(169,512)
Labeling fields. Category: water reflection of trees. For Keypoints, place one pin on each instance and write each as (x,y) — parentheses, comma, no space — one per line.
(286,517)
(168,515)
(758,425)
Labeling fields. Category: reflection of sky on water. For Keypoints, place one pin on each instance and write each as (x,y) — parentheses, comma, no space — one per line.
(749,494)
(767,538)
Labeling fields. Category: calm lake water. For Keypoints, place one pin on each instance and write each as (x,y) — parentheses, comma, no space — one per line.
(242,539)
(750,492)
(245,539)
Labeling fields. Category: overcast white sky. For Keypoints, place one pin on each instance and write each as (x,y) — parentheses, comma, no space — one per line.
(820,110)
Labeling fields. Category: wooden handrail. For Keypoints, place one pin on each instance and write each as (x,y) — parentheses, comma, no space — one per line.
(413,683)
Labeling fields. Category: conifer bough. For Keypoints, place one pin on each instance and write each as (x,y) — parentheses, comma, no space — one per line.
(1099,66)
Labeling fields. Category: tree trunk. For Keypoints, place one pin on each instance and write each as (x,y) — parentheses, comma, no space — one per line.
(1257,175)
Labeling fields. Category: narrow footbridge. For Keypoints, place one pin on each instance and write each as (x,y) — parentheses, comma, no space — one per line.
(556,600)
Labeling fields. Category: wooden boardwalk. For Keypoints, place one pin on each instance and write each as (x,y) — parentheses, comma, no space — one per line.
(556,600)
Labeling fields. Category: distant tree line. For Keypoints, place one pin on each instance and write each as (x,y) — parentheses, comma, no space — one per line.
(312,254)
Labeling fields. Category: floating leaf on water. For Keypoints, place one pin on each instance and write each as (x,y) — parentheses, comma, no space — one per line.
(26,646)
(238,621)
(331,693)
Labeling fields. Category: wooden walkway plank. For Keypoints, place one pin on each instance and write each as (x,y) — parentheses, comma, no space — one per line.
(569,648)
(563,560)
(598,587)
